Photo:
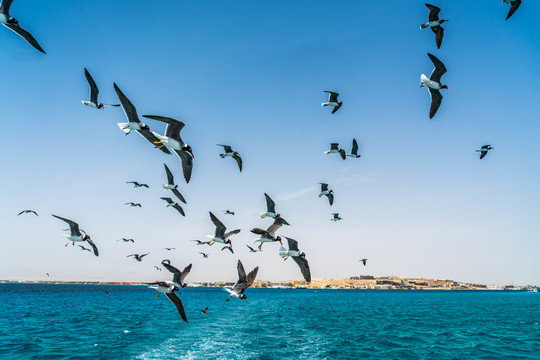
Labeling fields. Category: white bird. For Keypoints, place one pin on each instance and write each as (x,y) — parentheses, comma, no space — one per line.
(243,282)
(434,84)
(335,149)
(220,235)
(76,235)
(94,91)
(333,101)
(268,235)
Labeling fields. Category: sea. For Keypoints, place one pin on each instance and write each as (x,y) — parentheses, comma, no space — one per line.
(56,321)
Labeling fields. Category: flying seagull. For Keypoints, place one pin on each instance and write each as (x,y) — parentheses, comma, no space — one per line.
(199,242)
(268,235)
(137,256)
(336,217)
(514,5)
(234,154)
(334,149)
(271,210)
(327,193)
(173,140)
(137,184)
(12,24)
(354,150)
(228,212)
(173,204)
(169,249)
(132,204)
(364,261)
(220,235)
(178,276)
(204,311)
(94,91)
(434,85)
(83,248)
(76,236)
(125,240)
(133,120)
(205,255)
(171,185)
(298,256)
(243,282)
(333,101)
(435,24)
(252,249)
(27,212)
(168,288)
(157,268)
(228,248)
(484,150)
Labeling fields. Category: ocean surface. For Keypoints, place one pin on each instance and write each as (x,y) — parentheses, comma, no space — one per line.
(41,321)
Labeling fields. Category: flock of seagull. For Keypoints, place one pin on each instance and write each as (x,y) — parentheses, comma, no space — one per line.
(171,142)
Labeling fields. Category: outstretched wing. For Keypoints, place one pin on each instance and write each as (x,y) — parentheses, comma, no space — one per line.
(251,276)
(439,70)
(333,96)
(173,126)
(336,108)
(342,153)
(178,195)
(94,247)
(167,199)
(185,272)
(73,226)
(354,150)
(241,272)
(274,227)
(238,161)
(433,12)
(234,232)
(187,163)
(436,100)
(170,177)
(304,267)
(270,204)
(324,187)
(129,110)
(94,91)
(331,198)
(220,228)
(513,7)
(4,6)
(439,34)
(226,148)
(25,35)
(293,244)
(178,303)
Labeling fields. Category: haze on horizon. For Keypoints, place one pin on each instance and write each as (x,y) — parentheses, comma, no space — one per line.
(418,203)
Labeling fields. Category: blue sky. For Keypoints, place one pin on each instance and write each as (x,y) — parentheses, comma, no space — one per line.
(252,74)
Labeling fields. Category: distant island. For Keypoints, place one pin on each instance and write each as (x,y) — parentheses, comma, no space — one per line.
(354,282)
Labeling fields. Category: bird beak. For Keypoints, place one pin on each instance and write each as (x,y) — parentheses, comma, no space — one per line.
(245,299)
(280,242)
(193,156)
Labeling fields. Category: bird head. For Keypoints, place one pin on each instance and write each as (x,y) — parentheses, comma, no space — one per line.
(302,254)
(14,21)
(340,103)
(168,262)
(100,106)
(279,239)
(188,149)
(87,238)
(229,242)
(243,297)
(445,87)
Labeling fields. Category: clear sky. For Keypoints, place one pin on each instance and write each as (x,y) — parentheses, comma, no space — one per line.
(251,74)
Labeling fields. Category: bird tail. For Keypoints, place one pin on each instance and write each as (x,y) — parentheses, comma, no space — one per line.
(423,78)
(319,195)
(222,155)
(124,127)
(423,26)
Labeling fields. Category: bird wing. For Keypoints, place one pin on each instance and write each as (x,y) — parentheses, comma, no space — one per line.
(293,244)
(25,35)
(143,255)
(334,146)
(274,227)
(178,303)
(4,6)
(228,248)
(436,100)
(304,267)
(73,226)
(513,7)
(94,247)
(129,110)
(171,268)
(485,146)
(251,276)
(439,33)
(250,248)
(22,212)
(94,91)
(170,177)
(220,228)
(330,198)
(259,231)
(179,209)
(482,154)
(185,272)
(324,187)
(187,163)
(226,148)
(167,199)
(333,96)
(178,195)
(173,126)
(238,161)
(270,204)
(234,232)
(241,272)
(433,12)
(439,70)
(354,150)
(152,139)
(336,108)
(342,153)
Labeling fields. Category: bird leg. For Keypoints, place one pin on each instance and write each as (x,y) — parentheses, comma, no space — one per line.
(285,257)
(260,246)
(158,295)
(156,146)
(66,244)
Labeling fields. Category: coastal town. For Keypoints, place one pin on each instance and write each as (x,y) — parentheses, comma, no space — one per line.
(366,282)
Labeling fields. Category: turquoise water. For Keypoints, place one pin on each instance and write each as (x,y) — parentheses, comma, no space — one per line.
(82,321)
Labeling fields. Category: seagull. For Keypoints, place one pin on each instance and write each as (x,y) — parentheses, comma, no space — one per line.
(336,217)
(137,185)
(334,149)
(234,154)
(106,292)
(204,311)
(125,240)
(243,282)
(204,255)
(83,248)
(364,261)
(178,276)
(354,150)
(298,257)
(220,235)
(157,268)
(169,249)
(48,274)
(435,24)
(271,210)
(252,249)
(173,204)
(13,25)
(173,140)
(132,204)
(484,150)
(514,5)
(94,91)
(171,185)
(199,242)
(434,85)
(228,212)
(27,212)
(138,257)
(333,101)
(328,193)
(168,288)
(76,236)
(268,235)
(133,120)
(228,248)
